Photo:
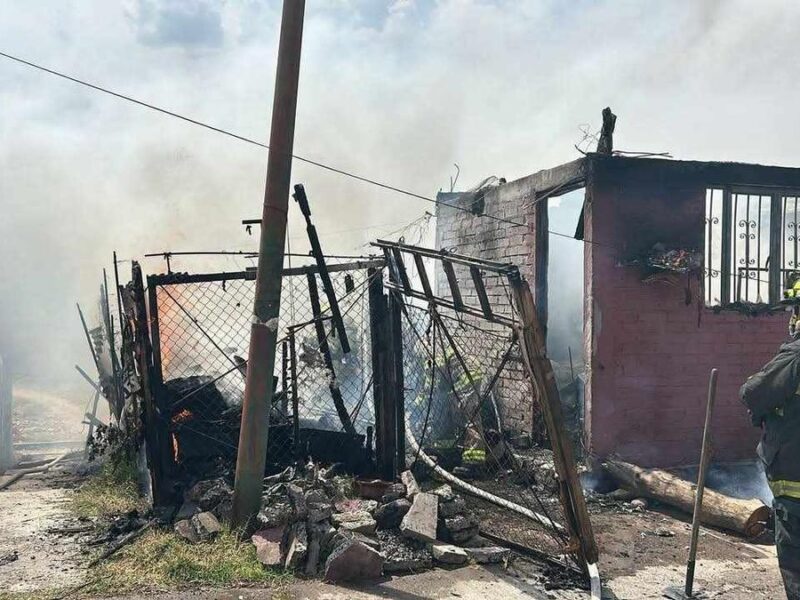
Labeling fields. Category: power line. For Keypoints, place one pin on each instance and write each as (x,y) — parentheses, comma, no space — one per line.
(242,138)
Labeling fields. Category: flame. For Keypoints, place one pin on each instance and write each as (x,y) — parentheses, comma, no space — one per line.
(183,416)
(175,447)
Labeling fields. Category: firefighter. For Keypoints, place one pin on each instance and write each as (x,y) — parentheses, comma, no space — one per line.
(772,397)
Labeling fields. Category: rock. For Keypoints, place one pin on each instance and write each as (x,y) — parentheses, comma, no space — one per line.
(412,487)
(490,554)
(403,554)
(185,530)
(353,561)
(449,555)
(459,523)
(315,533)
(208,493)
(206,526)
(187,511)
(360,521)
(476,541)
(389,516)
(274,514)
(353,505)
(297,546)
(621,495)
(393,492)
(317,513)
(316,496)
(420,521)
(298,500)
(372,490)
(455,507)
(459,537)
(223,510)
(444,493)
(268,545)
(639,504)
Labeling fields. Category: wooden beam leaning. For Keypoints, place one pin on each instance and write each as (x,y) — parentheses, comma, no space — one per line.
(540,370)
(423,275)
(452,282)
(325,350)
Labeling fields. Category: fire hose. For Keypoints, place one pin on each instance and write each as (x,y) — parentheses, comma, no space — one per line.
(594,574)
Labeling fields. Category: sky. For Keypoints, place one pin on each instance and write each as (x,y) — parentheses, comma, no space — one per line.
(399,91)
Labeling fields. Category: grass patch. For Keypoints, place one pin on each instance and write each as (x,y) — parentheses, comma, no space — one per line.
(162,560)
(111,491)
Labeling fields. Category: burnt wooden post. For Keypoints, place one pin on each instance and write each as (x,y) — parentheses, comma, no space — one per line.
(6,444)
(397,384)
(541,373)
(156,418)
(379,338)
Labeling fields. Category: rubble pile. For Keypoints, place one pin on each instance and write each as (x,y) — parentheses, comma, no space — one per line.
(309,524)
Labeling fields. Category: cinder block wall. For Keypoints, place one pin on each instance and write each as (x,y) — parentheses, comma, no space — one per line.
(649,354)
(469,234)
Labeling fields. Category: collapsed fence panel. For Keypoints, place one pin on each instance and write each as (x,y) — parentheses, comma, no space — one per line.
(200,335)
(474,362)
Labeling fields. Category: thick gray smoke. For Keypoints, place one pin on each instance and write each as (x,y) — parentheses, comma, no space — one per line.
(395,90)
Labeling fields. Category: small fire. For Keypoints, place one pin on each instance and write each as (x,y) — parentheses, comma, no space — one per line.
(183,416)
(175,447)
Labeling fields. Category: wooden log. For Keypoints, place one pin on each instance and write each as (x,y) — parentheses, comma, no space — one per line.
(747,517)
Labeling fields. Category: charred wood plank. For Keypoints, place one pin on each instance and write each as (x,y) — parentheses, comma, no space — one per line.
(325,350)
(319,257)
(480,289)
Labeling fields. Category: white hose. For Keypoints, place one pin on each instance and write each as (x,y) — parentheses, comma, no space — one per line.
(594,573)
(594,581)
(475,491)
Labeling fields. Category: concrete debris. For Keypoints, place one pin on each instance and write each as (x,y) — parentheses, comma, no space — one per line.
(390,515)
(187,511)
(359,521)
(268,545)
(356,505)
(274,514)
(445,493)
(490,554)
(207,494)
(206,526)
(412,487)
(298,500)
(297,546)
(403,555)
(457,506)
(421,520)
(352,561)
(639,504)
(185,530)
(449,555)
(394,492)
(373,489)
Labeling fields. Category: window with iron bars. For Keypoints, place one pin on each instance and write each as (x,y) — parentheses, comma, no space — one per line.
(751,244)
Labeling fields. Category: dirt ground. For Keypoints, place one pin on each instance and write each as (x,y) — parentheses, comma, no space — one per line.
(636,563)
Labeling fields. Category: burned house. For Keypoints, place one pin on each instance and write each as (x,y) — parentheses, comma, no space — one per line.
(684,264)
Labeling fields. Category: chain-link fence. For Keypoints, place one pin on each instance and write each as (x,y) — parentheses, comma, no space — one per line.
(465,386)
(201,328)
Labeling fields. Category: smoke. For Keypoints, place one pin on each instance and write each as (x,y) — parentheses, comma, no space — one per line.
(397,90)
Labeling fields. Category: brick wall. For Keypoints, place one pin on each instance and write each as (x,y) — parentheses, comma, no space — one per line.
(649,354)
(489,239)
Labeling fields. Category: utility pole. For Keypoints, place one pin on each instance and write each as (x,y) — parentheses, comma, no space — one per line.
(252,453)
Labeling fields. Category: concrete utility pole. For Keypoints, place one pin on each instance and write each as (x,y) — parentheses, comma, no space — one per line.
(252,452)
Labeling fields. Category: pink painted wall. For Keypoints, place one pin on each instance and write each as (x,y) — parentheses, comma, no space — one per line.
(649,353)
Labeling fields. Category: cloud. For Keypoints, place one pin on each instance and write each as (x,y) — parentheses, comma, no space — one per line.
(398,91)
(180,23)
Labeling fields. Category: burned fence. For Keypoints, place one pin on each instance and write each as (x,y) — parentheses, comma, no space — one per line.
(199,335)
(471,360)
